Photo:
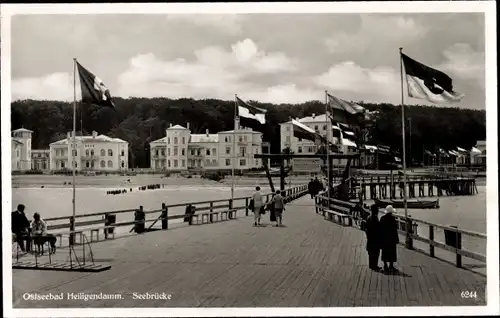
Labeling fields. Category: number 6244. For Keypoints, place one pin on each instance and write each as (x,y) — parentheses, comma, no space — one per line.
(468,294)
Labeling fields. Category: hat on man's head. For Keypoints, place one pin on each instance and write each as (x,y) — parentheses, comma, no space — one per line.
(389,209)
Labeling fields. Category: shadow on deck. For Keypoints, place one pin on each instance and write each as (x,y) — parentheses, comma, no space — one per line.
(309,263)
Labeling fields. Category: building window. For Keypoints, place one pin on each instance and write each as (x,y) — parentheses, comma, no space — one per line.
(87,164)
(214,162)
(163,152)
(245,138)
(176,151)
(183,140)
(316,128)
(198,152)
(183,151)
(92,164)
(168,140)
(228,150)
(123,164)
(240,139)
(62,164)
(183,163)
(243,162)
(168,162)
(156,152)
(176,163)
(225,139)
(110,152)
(103,164)
(256,151)
(75,164)
(123,152)
(300,139)
(75,153)
(87,152)
(110,164)
(324,127)
(287,138)
(299,150)
(168,151)
(103,152)
(208,152)
(228,162)
(214,151)
(175,140)
(287,128)
(257,162)
(243,151)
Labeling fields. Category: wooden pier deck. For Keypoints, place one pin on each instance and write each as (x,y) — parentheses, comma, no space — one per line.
(309,263)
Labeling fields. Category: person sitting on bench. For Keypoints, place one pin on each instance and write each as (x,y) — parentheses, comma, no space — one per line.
(40,236)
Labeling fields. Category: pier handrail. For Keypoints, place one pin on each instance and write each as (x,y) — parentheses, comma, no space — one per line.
(290,194)
(94,214)
(412,224)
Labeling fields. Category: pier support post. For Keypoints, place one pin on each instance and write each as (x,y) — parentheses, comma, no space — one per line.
(72,228)
(431,238)
(211,210)
(230,213)
(164,216)
(139,218)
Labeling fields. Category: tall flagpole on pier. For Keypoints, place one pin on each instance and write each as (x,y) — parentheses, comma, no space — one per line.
(328,124)
(404,149)
(74,138)
(233,156)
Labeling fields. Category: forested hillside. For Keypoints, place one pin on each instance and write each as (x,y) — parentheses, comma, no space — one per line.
(141,120)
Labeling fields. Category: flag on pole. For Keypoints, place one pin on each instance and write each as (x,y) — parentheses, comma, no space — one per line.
(303,132)
(348,112)
(424,82)
(93,89)
(247,111)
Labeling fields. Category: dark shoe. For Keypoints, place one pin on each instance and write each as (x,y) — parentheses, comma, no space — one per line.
(254,223)
(386,269)
(393,269)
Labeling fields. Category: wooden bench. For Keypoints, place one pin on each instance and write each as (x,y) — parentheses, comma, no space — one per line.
(208,215)
(96,230)
(339,215)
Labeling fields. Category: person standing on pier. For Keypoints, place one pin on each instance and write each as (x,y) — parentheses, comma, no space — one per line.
(279,207)
(20,228)
(390,239)
(257,205)
(373,238)
(310,188)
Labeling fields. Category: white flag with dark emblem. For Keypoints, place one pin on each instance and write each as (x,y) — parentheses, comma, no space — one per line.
(424,82)
(247,111)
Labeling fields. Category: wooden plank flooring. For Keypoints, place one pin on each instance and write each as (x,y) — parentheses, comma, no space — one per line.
(310,262)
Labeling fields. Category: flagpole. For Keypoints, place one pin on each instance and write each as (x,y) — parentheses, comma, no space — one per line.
(404,149)
(327,147)
(74,139)
(234,144)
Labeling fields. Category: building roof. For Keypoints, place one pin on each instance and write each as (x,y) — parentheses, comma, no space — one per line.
(310,119)
(159,141)
(22,130)
(40,150)
(239,131)
(204,138)
(100,138)
(177,127)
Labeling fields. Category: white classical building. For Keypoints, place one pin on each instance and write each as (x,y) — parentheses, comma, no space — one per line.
(91,153)
(181,150)
(40,159)
(21,149)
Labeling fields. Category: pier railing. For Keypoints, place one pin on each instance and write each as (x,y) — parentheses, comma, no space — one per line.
(444,242)
(105,225)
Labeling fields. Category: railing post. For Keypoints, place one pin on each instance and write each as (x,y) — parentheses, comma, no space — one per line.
(431,238)
(316,204)
(459,247)
(71,228)
(164,216)
(211,210)
(409,230)
(230,213)
(139,218)
(246,206)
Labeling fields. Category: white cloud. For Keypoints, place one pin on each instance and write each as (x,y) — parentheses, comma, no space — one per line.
(215,72)
(287,93)
(462,61)
(226,23)
(56,86)
(378,84)
(376,31)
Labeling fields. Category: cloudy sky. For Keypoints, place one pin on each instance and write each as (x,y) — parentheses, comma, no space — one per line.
(266,57)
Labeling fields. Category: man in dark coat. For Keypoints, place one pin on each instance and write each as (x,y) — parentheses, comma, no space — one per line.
(20,228)
(310,188)
(390,238)
(373,236)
